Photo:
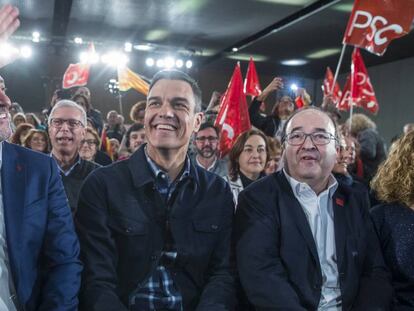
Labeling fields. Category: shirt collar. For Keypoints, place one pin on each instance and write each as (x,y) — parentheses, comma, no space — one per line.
(299,188)
(208,168)
(66,173)
(159,172)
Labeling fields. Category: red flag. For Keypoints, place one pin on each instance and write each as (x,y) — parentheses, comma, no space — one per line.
(75,75)
(233,116)
(358,88)
(328,84)
(251,83)
(375,23)
(362,91)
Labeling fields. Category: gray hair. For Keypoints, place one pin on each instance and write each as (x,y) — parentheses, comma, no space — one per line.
(68,103)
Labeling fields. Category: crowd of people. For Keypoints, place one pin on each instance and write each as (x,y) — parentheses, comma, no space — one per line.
(306,212)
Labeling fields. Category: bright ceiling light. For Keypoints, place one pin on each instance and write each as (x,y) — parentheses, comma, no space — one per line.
(294,87)
(88,57)
(78,40)
(179,63)
(160,63)
(143,47)
(26,51)
(294,62)
(115,59)
(189,64)
(246,57)
(84,57)
(128,47)
(35,36)
(169,62)
(149,62)
(234,49)
(323,53)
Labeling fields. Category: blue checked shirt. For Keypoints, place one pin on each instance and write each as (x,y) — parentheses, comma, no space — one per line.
(159,291)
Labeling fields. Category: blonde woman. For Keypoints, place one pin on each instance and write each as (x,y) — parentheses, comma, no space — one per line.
(394,220)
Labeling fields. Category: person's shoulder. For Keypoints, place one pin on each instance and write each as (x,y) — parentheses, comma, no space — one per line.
(28,154)
(269,183)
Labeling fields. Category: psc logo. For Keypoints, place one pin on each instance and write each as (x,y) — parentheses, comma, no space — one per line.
(378,26)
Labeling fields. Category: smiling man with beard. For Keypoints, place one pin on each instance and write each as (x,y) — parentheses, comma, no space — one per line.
(155,229)
(206,145)
(67,122)
(303,240)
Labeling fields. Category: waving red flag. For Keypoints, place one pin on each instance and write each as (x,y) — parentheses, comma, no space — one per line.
(233,116)
(76,75)
(328,84)
(375,23)
(251,83)
(346,99)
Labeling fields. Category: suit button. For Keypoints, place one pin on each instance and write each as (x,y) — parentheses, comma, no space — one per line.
(214,227)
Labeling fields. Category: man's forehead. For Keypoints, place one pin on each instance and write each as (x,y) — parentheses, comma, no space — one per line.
(66,112)
(311,119)
(206,131)
(178,87)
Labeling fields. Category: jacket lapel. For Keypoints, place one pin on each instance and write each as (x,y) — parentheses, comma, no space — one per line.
(293,207)
(339,206)
(13,172)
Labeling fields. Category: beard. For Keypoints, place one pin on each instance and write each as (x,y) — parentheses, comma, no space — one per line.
(5,128)
(206,152)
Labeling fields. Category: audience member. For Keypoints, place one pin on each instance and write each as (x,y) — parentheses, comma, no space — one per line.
(394,219)
(19,118)
(20,134)
(303,241)
(35,121)
(247,160)
(155,229)
(114,145)
(408,128)
(372,146)
(83,98)
(90,148)
(137,112)
(66,131)
(274,156)
(134,138)
(39,249)
(37,140)
(271,125)
(206,145)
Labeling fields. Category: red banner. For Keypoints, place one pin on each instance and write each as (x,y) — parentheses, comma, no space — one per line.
(346,99)
(233,116)
(375,23)
(328,85)
(76,75)
(251,83)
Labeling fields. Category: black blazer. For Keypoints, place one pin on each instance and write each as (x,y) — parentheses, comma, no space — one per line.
(277,257)
(121,229)
(267,124)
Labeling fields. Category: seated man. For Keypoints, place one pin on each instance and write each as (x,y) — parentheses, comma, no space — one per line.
(155,229)
(303,241)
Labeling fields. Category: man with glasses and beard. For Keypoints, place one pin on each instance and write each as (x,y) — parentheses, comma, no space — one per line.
(206,145)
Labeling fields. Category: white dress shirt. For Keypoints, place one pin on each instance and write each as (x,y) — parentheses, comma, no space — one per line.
(319,213)
(6,303)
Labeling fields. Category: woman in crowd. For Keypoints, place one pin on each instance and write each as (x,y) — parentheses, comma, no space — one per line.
(35,121)
(275,154)
(394,219)
(20,133)
(247,160)
(89,148)
(114,145)
(37,140)
(137,112)
(19,118)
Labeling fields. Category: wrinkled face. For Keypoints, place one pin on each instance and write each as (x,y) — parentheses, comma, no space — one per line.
(273,164)
(309,162)
(285,107)
(88,147)
(66,138)
(136,139)
(112,117)
(38,142)
(206,143)
(252,160)
(170,117)
(5,118)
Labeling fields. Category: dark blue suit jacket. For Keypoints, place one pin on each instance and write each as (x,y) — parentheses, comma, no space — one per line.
(43,248)
(277,256)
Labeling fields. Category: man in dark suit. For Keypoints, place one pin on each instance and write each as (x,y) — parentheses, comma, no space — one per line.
(155,230)
(303,241)
(39,249)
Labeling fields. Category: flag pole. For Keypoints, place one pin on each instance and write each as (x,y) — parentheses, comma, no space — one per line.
(120,104)
(337,68)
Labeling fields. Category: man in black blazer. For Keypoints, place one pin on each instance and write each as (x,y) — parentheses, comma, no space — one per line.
(303,241)
(155,230)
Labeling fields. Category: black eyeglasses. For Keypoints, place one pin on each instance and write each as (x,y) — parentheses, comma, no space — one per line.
(89,142)
(210,139)
(318,138)
(72,123)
